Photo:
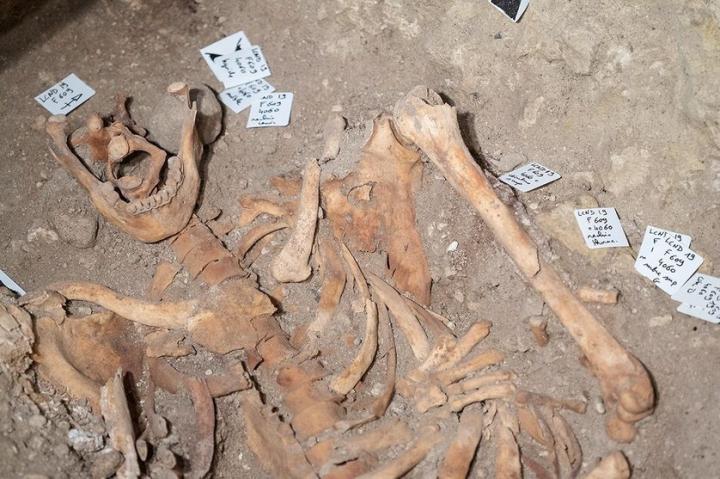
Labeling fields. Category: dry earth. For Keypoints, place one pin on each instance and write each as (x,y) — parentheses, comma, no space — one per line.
(622,98)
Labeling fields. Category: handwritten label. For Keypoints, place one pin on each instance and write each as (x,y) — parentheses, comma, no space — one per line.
(242,67)
(711,314)
(700,290)
(670,264)
(240,97)
(271,110)
(65,96)
(652,236)
(10,284)
(601,228)
(529,177)
(232,43)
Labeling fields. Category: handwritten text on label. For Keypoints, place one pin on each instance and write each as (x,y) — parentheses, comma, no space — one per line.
(271,110)
(64,97)
(601,228)
(670,264)
(240,97)
(529,177)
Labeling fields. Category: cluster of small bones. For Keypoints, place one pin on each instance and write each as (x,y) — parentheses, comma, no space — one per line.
(315,424)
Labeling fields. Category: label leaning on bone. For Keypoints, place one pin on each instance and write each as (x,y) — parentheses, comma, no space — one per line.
(65,96)
(271,110)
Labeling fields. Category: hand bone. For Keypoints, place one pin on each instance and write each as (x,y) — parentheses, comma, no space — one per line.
(424,120)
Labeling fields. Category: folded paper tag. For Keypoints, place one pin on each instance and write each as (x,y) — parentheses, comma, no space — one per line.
(652,236)
(242,66)
(242,96)
(529,177)
(601,228)
(271,110)
(670,264)
(708,313)
(65,96)
(513,9)
(232,43)
(701,290)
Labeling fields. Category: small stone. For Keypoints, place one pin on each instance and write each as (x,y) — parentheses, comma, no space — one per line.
(452,246)
(509,161)
(208,372)
(77,230)
(208,213)
(105,464)
(599,405)
(658,321)
(42,234)
(578,50)
(560,223)
(37,421)
(83,441)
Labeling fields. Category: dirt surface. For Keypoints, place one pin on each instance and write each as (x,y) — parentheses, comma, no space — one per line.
(621,98)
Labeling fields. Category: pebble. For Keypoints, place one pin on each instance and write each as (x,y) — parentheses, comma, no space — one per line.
(83,441)
(661,320)
(43,234)
(452,246)
(37,421)
(78,230)
(599,405)
(105,464)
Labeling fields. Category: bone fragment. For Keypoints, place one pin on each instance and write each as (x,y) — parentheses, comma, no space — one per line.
(256,234)
(480,381)
(406,320)
(436,324)
(538,326)
(113,404)
(491,391)
(332,132)
(507,459)
(386,435)
(471,365)
(358,276)
(613,466)
(587,294)
(291,264)
(254,207)
(349,377)
(567,447)
(461,452)
(406,461)
(164,275)
(167,343)
(476,333)
(287,185)
(576,405)
(423,119)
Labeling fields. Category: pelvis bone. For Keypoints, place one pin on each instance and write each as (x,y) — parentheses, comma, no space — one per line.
(151,202)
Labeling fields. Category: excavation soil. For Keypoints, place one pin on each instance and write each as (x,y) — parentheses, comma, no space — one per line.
(621,98)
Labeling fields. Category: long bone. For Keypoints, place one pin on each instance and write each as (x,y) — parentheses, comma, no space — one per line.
(423,119)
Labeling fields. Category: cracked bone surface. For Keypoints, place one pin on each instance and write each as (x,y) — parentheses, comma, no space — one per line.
(423,119)
(139,205)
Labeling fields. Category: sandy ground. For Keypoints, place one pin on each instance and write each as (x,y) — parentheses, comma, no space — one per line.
(621,98)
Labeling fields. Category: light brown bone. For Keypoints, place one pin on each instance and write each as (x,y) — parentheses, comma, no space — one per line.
(164,275)
(349,377)
(587,294)
(461,451)
(291,264)
(151,219)
(491,391)
(253,207)
(507,459)
(113,404)
(538,326)
(578,406)
(373,207)
(406,320)
(406,461)
(423,119)
(613,466)
(469,366)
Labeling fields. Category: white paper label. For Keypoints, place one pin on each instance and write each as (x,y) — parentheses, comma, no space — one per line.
(651,238)
(65,96)
(242,67)
(271,110)
(670,264)
(233,43)
(601,228)
(240,97)
(708,314)
(529,177)
(513,9)
(700,290)
(10,284)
